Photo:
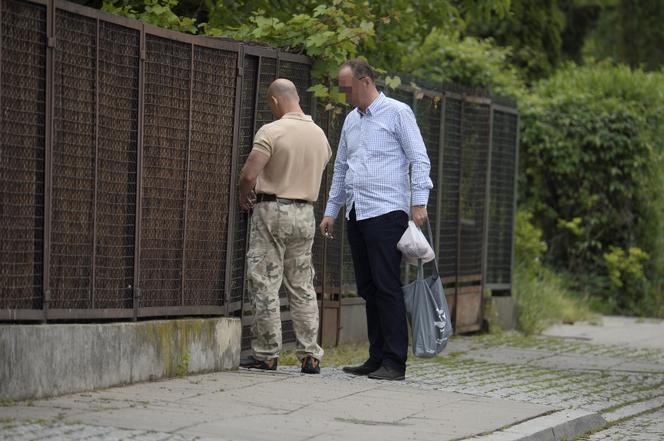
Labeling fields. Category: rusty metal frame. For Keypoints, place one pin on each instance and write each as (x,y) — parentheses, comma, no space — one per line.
(186,176)
(511,111)
(515,196)
(441,155)
(459,210)
(487,209)
(232,193)
(136,292)
(96,173)
(48,153)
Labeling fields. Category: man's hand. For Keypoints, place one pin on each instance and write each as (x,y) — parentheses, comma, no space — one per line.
(247,200)
(419,214)
(327,227)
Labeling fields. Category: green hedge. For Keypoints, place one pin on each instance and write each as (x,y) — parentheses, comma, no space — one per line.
(592,145)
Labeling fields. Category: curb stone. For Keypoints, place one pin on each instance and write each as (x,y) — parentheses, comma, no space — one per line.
(634,409)
(558,426)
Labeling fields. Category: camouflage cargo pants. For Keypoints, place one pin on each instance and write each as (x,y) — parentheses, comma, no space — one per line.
(280,244)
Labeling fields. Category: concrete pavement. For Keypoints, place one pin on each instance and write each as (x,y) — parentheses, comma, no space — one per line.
(483,388)
(247,405)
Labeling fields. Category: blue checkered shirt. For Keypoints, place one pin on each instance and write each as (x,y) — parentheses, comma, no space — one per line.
(371,168)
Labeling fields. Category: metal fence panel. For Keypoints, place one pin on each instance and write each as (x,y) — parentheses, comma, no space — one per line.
(148,129)
(501,209)
(167,99)
(246,134)
(74,160)
(22,138)
(119,57)
(475,150)
(210,156)
(427,112)
(451,172)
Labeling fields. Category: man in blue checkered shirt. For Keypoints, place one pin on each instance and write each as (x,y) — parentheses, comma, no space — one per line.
(379,141)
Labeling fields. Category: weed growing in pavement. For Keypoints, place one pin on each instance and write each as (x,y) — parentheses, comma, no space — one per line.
(342,355)
(182,368)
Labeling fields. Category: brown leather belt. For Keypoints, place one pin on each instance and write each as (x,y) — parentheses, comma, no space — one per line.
(264,197)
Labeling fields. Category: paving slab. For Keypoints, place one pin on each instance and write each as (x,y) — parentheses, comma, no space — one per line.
(630,332)
(284,405)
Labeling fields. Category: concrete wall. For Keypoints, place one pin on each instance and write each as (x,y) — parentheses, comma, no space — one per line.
(46,360)
(353,321)
(504,308)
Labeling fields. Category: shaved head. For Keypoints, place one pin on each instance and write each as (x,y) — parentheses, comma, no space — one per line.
(283,89)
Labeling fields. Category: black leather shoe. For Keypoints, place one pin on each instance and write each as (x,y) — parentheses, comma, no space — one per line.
(252,362)
(364,369)
(388,373)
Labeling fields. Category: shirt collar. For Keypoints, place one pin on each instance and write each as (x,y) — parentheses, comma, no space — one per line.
(373,106)
(296,115)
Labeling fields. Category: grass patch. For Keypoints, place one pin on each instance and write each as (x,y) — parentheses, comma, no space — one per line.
(342,355)
(543,300)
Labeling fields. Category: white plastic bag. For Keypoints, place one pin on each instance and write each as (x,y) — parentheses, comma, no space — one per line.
(413,245)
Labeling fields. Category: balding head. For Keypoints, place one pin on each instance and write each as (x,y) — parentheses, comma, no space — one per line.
(283,89)
(283,98)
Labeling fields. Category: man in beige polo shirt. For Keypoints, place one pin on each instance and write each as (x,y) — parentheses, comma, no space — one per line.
(285,167)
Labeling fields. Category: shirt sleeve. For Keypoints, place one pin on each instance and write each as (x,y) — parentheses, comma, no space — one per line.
(337,197)
(413,146)
(262,141)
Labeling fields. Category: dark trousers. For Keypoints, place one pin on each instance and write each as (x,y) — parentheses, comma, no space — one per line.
(377,263)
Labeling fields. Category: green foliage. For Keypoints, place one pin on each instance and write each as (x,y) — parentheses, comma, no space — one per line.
(589,138)
(182,369)
(626,273)
(542,296)
(155,12)
(543,299)
(629,32)
(330,34)
(625,267)
(533,31)
(404,24)
(529,246)
(445,56)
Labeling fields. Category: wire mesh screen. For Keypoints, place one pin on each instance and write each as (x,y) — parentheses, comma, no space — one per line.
(299,74)
(476,128)
(427,113)
(246,134)
(22,139)
(267,73)
(74,158)
(501,208)
(400,94)
(210,156)
(449,210)
(335,277)
(318,247)
(119,55)
(167,88)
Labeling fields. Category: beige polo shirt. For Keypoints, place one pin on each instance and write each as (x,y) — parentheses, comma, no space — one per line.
(298,151)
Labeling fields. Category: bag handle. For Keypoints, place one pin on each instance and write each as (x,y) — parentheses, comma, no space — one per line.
(420,265)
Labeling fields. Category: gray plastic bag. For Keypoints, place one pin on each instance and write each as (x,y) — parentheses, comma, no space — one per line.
(428,313)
